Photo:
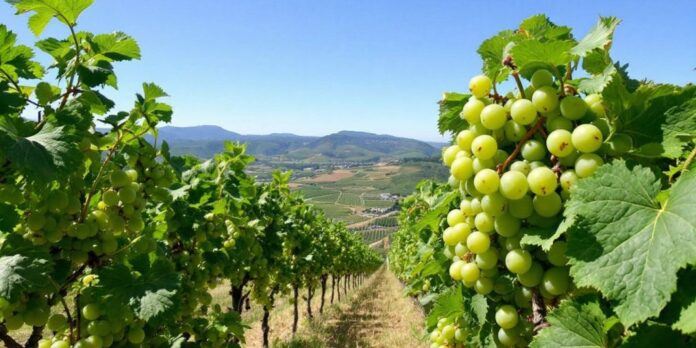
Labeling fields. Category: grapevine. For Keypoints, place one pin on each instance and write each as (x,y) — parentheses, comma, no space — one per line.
(568,218)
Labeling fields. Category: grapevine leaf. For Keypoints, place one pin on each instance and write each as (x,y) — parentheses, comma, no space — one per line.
(625,244)
(679,127)
(540,27)
(449,304)
(573,324)
(596,61)
(66,11)
(451,105)
(681,310)
(600,36)
(23,268)
(48,154)
(656,335)
(479,307)
(493,52)
(15,61)
(544,237)
(597,83)
(8,217)
(116,46)
(531,55)
(432,218)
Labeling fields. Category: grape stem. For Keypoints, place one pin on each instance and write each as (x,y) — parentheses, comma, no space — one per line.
(538,311)
(688,160)
(516,75)
(71,323)
(538,126)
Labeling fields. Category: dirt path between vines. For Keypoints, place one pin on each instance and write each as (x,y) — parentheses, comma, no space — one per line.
(375,315)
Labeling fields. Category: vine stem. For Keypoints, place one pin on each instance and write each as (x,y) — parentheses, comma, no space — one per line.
(538,311)
(688,160)
(93,189)
(6,339)
(77,62)
(530,133)
(516,75)
(71,323)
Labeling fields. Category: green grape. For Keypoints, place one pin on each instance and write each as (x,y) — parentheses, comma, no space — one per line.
(91,311)
(587,138)
(514,131)
(593,98)
(60,344)
(541,78)
(460,250)
(484,146)
(470,272)
(523,297)
(119,178)
(521,208)
(57,322)
(545,99)
(465,137)
(475,206)
(135,224)
(533,150)
(57,201)
(13,322)
(455,270)
(470,188)
(523,112)
(490,273)
(456,234)
(471,112)
(500,156)
(506,317)
(568,179)
(449,154)
(556,281)
(487,181)
(36,221)
(487,260)
(110,197)
(44,343)
(480,86)
(556,123)
(478,242)
(484,286)
(620,143)
(454,217)
(508,338)
(573,107)
(462,168)
(127,194)
(587,164)
(448,332)
(518,261)
(598,109)
(480,164)
(549,205)
(136,335)
(507,225)
(494,204)
(493,116)
(512,243)
(513,185)
(533,276)
(484,222)
(508,104)
(542,181)
(94,341)
(465,207)
(521,166)
(453,182)
(559,143)
(557,254)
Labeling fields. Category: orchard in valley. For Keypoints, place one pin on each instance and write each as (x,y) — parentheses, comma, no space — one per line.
(108,241)
(569,218)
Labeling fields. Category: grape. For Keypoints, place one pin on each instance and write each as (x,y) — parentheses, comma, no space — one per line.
(573,108)
(456,233)
(521,166)
(557,255)
(478,242)
(460,250)
(598,109)
(513,185)
(533,150)
(470,272)
(448,332)
(493,116)
(480,164)
(465,137)
(475,206)
(587,164)
(36,221)
(36,316)
(518,261)
(593,98)
(556,281)
(555,123)
(507,225)
(487,260)
(523,297)
(559,143)
(587,138)
(484,222)
(533,276)
(549,205)
(523,112)
(91,311)
(541,78)
(136,335)
(487,181)
(44,343)
(462,168)
(455,216)
(455,270)
(568,179)
(60,344)
(506,317)
(484,286)
(480,86)
(127,194)
(449,154)
(57,201)
(500,156)
(484,146)
(471,112)
(57,322)
(542,181)
(508,338)
(512,243)
(514,131)
(545,99)
(94,341)
(620,143)
(521,208)
(13,322)
(494,204)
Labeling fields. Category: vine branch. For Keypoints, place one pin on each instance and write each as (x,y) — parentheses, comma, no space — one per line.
(538,126)
(538,312)
(5,338)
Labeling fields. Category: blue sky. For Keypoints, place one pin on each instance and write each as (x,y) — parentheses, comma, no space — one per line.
(318,66)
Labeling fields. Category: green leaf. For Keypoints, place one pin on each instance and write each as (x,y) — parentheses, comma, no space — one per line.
(48,154)
(23,268)
(493,52)
(681,310)
(8,217)
(530,55)
(540,27)
(116,46)
(597,83)
(679,126)
(625,244)
(451,106)
(449,304)
(657,335)
(544,237)
(66,11)
(599,36)
(573,324)
(152,91)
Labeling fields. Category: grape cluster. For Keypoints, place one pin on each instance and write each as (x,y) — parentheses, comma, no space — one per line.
(448,334)
(515,165)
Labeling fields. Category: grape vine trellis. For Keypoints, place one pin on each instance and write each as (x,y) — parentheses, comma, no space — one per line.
(569,218)
(107,240)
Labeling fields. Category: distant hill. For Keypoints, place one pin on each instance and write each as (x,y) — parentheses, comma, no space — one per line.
(205,141)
